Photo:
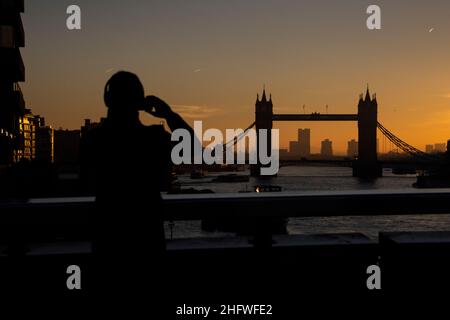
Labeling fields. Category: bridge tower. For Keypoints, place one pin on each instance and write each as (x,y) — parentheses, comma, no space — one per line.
(263,117)
(367,165)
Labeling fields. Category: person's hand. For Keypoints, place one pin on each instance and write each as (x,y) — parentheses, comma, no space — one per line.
(157,107)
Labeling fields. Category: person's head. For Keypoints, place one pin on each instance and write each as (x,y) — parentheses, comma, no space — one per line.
(124,94)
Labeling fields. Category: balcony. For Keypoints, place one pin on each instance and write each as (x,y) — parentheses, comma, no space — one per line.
(14,101)
(12,34)
(7,36)
(11,64)
(17,99)
(20,32)
(12,6)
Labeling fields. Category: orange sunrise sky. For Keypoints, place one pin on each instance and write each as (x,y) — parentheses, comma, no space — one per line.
(209,59)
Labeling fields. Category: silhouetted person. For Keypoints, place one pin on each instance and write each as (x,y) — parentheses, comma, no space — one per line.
(127,165)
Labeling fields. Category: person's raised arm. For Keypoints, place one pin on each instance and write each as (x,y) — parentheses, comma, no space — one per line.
(160,109)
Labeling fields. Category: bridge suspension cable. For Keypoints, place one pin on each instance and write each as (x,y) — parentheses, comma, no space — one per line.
(235,140)
(405,147)
(402,145)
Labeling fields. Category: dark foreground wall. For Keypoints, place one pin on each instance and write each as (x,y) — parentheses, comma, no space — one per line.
(39,241)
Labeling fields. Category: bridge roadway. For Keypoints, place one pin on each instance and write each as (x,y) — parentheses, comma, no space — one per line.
(315,117)
(349,163)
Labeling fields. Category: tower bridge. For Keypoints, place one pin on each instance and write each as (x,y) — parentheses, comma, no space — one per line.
(367,165)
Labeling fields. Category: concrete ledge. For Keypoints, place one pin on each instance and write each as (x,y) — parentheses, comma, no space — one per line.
(208,243)
(51,249)
(414,238)
(343,239)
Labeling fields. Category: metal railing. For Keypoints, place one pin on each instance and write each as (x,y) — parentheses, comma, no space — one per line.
(249,205)
(71,219)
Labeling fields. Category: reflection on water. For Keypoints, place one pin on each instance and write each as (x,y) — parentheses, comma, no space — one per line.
(305,179)
(322,178)
(370,226)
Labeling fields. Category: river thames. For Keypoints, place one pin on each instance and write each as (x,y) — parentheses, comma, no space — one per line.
(298,179)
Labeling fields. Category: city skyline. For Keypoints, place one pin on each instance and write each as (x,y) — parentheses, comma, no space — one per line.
(209,59)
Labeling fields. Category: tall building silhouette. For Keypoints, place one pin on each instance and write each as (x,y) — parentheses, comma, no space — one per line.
(352,148)
(29,125)
(304,142)
(34,139)
(45,142)
(89,125)
(326,149)
(294,148)
(12,104)
(440,147)
(67,147)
